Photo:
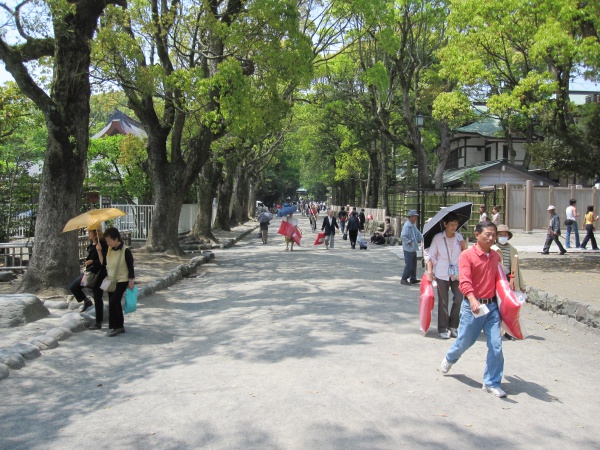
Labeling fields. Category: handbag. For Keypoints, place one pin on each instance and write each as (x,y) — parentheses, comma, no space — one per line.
(131,300)
(109,285)
(345,236)
(452,268)
(89,279)
(569,222)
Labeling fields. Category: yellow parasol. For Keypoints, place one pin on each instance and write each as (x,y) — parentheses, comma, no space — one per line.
(92,217)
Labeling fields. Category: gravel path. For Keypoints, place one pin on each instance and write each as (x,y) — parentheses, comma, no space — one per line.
(267,349)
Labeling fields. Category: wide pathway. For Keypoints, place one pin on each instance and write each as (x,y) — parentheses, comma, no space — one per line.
(267,349)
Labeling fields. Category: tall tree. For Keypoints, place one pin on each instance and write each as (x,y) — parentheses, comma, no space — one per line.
(185,68)
(61,31)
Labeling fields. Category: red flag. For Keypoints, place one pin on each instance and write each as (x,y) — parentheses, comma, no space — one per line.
(320,238)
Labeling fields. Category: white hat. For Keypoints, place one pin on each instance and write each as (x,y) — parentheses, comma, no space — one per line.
(551,207)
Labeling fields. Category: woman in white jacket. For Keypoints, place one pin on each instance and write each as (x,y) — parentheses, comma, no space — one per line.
(444,253)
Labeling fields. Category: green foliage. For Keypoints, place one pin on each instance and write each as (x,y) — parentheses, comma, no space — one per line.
(470,177)
(116,168)
(21,150)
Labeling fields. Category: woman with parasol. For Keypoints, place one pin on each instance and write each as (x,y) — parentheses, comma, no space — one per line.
(93,265)
(442,265)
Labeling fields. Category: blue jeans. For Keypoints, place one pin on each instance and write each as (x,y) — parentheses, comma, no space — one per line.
(342,225)
(568,236)
(410,266)
(468,332)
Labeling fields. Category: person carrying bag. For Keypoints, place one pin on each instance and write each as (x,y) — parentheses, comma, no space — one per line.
(119,264)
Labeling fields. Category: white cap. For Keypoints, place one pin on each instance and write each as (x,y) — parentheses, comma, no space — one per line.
(551,207)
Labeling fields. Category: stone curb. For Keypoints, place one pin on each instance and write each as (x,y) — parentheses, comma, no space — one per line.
(14,358)
(585,314)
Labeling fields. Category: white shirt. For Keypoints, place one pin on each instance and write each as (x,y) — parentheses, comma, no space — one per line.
(439,256)
(570,213)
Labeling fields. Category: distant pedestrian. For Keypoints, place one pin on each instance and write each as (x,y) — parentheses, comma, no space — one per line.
(329,226)
(352,227)
(362,220)
(411,236)
(482,214)
(342,217)
(496,215)
(264,231)
(588,222)
(442,265)
(478,267)
(553,232)
(571,215)
(288,240)
(119,265)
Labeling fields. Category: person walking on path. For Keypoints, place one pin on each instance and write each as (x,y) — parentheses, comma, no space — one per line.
(411,236)
(264,231)
(442,263)
(571,223)
(510,262)
(93,264)
(478,267)
(329,226)
(588,223)
(119,265)
(352,227)
(342,217)
(553,232)
(288,240)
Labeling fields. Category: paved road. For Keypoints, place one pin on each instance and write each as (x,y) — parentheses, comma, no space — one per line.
(267,349)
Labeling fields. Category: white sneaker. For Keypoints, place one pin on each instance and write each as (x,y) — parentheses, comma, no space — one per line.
(445,335)
(445,367)
(497,391)
(453,332)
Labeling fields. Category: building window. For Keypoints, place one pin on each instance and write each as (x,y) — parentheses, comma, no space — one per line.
(488,154)
(452,161)
(505,152)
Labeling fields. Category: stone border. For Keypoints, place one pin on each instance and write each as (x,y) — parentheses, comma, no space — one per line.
(75,322)
(585,314)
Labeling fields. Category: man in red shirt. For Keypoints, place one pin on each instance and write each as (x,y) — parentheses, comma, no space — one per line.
(478,273)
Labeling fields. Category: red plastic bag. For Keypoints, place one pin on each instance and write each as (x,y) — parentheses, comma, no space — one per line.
(320,238)
(509,306)
(286,229)
(426,303)
(296,236)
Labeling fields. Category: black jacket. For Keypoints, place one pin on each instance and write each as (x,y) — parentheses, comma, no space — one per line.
(352,223)
(329,229)
(361,220)
(92,255)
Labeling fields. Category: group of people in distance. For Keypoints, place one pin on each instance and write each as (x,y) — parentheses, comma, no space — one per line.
(107,257)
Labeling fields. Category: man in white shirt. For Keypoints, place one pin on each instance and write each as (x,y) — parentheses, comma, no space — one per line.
(571,224)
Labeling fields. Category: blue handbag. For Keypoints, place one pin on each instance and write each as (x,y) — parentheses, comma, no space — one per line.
(131,300)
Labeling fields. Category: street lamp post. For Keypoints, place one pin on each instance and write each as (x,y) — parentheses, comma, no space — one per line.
(419,122)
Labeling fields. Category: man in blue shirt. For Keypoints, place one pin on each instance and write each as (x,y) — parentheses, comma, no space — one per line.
(411,236)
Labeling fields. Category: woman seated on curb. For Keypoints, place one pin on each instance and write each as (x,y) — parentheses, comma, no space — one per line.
(92,264)
(442,262)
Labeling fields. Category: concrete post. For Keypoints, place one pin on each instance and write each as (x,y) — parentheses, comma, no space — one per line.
(528,206)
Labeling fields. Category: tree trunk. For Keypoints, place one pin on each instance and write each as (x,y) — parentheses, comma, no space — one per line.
(384,174)
(164,230)
(203,225)
(443,152)
(55,260)
(224,195)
